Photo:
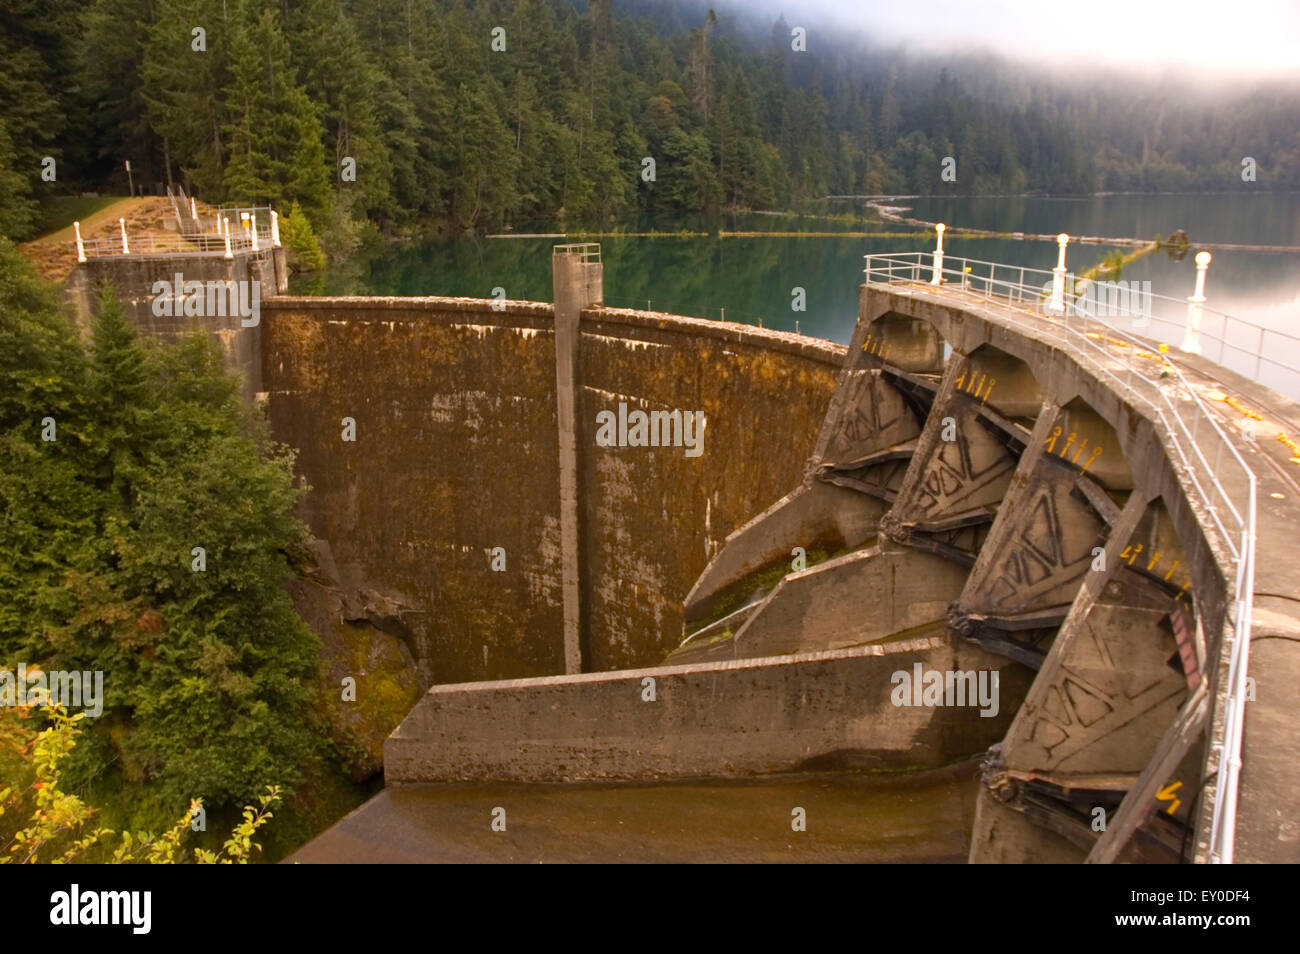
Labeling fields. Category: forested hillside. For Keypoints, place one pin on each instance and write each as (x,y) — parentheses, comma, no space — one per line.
(552,126)
(147,533)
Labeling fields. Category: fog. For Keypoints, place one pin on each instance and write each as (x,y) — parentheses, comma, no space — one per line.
(1195,39)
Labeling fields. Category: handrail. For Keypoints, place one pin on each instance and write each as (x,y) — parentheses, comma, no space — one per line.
(1236,528)
(1157,309)
(175,243)
(588,252)
(231,229)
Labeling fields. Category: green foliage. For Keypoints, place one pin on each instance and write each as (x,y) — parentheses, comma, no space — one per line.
(182,89)
(446,132)
(205,673)
(57,829)
(54,814)
(273,129)
(302,251)
(39,120)
(17,205)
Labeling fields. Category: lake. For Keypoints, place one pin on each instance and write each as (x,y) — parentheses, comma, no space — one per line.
(752,278)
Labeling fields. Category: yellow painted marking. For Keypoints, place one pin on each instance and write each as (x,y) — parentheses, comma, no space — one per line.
(992,381)
(1051,441)
(1066,449)
(1154,560)
(1167,794)
(1171,570)
(1096,452)
(1236,405)
(1082,445)
(1291,444)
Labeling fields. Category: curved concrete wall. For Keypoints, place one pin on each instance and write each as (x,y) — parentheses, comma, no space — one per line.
(456,454)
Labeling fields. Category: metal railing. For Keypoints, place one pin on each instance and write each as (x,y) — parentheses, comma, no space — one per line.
(173,243)
(241,215)
(1261,354)
(588,252)
(250,230)
(1070,313)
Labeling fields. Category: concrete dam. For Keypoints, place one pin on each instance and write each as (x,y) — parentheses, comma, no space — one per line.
(990,532)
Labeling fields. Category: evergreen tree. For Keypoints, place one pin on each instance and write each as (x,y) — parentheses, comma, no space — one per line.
(182,87)
(277,153)
(205,667)
(17,206)
(448,133)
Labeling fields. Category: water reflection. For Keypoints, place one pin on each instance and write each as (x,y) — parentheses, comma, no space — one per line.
(753,278)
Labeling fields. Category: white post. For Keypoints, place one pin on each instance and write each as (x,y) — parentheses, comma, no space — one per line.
(126,250)
(1192,340)
(936,273)
(253,227)
(1057,305)
(229,253)
(81,246)
(194,214)
(275,228)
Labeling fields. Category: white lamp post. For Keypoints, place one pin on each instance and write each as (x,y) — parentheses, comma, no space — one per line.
(275,230)
(81,246)
(1057,304)
(229,253)
(126,250)
(253,228)
(936,274)
(1192,340)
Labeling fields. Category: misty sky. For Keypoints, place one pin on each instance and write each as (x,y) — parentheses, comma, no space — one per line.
(1238,37)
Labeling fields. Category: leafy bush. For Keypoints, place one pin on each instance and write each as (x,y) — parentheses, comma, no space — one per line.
(57,828)
(206,667)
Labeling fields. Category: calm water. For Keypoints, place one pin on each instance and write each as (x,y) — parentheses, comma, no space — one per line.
(752,278)
(910,817)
